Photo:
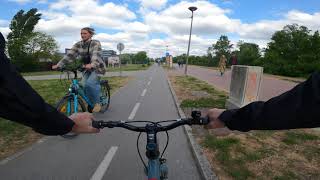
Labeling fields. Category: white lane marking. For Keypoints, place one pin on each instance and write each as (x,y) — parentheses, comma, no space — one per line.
(98,175)
(134,111)
(144,92)
(149,83)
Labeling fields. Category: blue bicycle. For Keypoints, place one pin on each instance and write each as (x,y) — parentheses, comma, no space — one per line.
(157,168)
(75,99)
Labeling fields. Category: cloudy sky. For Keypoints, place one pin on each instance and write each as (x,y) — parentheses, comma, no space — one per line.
(153,25)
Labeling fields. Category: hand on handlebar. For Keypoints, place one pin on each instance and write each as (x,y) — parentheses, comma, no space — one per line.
(54,67)
(215,122)
(87,66)
(83,123)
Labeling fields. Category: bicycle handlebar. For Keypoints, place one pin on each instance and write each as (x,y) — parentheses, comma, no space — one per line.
(158,128)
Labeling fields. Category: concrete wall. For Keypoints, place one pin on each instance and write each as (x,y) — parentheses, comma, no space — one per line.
(245,85)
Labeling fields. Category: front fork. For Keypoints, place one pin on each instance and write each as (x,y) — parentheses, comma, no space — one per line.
(163,169)
(157,168)
(75,105)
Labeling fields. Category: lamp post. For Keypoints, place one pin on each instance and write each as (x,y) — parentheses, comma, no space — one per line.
(192,8)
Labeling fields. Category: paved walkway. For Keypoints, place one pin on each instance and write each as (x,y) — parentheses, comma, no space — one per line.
(271,86)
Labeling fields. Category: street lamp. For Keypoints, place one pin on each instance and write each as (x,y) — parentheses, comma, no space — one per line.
(192,8)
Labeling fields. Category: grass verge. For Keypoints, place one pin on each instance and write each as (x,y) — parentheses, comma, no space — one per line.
(14,137)
(290,154)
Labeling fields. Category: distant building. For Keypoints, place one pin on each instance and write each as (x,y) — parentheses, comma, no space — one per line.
(105,53)
(66,50)
(108,53)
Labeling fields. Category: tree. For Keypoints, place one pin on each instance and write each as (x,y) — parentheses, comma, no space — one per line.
(248,54)
(21,26)
(315,43)
(126,58)
(141,57)
(292,51)
(41,45)
(222,47)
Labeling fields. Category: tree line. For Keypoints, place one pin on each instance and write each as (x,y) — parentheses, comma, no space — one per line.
(292,51)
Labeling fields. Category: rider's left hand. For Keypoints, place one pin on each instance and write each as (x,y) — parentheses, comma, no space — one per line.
(83,123)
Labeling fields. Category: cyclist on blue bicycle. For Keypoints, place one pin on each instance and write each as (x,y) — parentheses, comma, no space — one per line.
(90,52)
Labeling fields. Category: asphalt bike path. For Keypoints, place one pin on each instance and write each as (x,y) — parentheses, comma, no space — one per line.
(111,154)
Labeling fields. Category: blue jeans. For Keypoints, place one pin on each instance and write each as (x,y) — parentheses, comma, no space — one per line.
(91,86)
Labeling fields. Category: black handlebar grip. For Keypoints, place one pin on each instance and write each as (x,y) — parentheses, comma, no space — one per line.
(204,120)
(97,124)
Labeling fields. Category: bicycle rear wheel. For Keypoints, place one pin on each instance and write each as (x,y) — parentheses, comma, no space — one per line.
(105,98)
(66,106)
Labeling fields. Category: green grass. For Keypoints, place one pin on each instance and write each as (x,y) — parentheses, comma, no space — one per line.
(9,128)
(204,103)
(51,91)
(263,134)
(216,98)
(116,82)
(40,73)
(292,138)
(220,144)
(309,152)
(286,175)
(235,166)
(128,67)
(194,84)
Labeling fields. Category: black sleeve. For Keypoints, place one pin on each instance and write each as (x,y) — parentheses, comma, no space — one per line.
(297,108)
(20,103)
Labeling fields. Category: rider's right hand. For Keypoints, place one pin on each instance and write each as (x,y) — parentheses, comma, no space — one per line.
(54,67)
(215,122)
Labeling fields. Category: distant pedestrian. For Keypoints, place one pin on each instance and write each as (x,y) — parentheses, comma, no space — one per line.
(234,60)
(222,64)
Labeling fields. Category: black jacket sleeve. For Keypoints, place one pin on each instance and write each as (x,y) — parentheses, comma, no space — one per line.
(297,108)
(20,103)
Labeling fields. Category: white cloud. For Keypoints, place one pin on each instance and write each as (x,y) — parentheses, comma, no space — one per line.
(5,31)
(153,4)
(64,18)
(28,1)
(213,21)
(263,30)
(260,30)
(93,8)
(136,27)
(42,1)
(309,20)
(21,1)
(208,19)
(4,22)
(89,12)
(177,44)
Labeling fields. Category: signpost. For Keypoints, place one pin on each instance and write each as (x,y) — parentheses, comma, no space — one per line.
(120,47)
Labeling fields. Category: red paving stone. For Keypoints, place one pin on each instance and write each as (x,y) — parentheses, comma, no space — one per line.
(271,86)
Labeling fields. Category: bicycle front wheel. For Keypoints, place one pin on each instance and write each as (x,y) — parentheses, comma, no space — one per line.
(67,106)
(105,98)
